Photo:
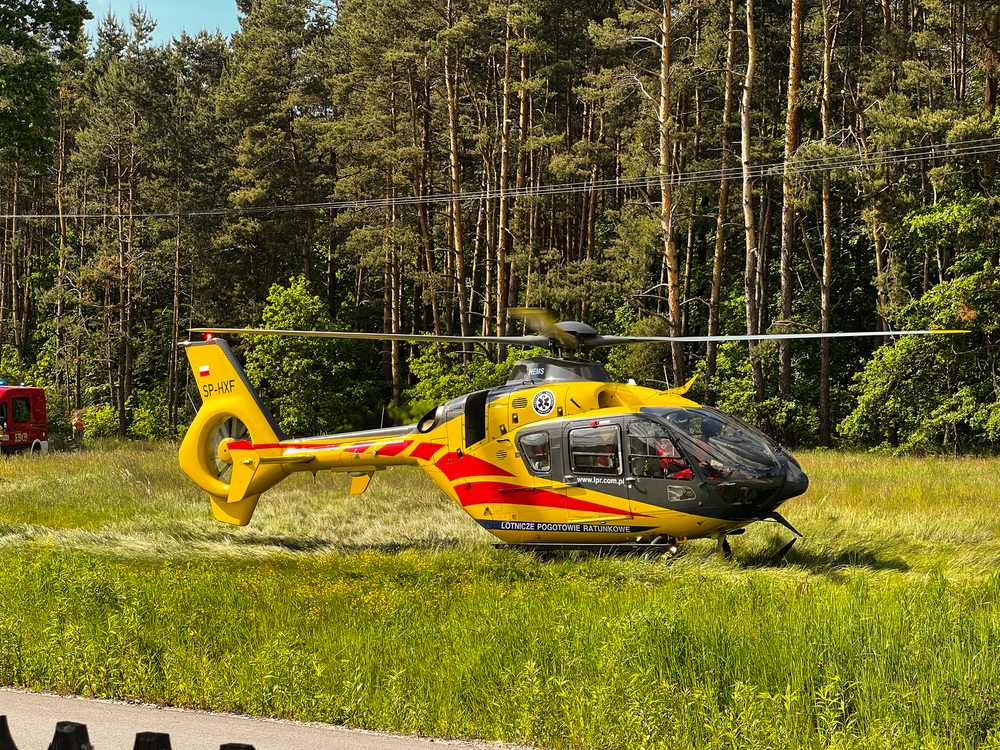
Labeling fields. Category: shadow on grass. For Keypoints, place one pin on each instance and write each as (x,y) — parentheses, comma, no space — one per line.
(828,561)
(304,543)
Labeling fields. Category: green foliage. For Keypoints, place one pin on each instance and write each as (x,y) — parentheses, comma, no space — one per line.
(100,422)
(441,376)
(150,416)
(934,394)
(311,385)
(965,213)
(57,414)
(624,322)
(649,364)
(30,33)
(306,105)
(735,394)
(11,371)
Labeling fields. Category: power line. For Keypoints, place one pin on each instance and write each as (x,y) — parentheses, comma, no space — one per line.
(861,160)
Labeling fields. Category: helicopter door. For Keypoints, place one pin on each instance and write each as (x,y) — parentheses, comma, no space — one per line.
(540,499)
(658,471)
(595,475)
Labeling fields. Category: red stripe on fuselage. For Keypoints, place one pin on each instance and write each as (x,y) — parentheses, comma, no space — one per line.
(289,446)
(473,493)
(394,448)
(455,467)
(426,451)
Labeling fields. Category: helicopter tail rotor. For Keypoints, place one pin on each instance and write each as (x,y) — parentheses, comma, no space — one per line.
(231,417)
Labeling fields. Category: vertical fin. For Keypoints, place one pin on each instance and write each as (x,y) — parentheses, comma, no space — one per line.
(360,481)
(229,404)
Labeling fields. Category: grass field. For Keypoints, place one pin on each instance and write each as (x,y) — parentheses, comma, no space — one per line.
(391,610)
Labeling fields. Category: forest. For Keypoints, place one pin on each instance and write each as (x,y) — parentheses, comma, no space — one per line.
(656,167)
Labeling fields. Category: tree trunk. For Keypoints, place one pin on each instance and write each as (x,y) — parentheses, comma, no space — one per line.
(423,208)
(122,301)
(17,313)
(172,389)
(670,258)
(392,296)
(830,28)
(309,213)
(750,286)
(61,375)
(503,219)
(988,36)
(128,292)
(793,120)
(455,175)
(525,218)
(719,258)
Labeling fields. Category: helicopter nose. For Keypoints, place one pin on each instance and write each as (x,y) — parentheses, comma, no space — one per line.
(796,481)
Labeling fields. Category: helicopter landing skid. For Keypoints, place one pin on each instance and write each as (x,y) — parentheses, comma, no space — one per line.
(596,549)
(722,546)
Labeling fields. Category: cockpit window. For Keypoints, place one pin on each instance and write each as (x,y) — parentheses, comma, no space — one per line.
(595,450)
(535,449)
(722,446)
(653,453)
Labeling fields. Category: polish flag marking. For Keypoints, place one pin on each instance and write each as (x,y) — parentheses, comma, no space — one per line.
(203,371)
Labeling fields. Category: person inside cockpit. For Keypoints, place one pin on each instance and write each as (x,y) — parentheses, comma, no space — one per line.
(671,461)
(704,455)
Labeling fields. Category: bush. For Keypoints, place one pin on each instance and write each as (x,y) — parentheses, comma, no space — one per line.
(796,414)
(312,386)
(57,415)
(441,376)
(938,393)
(150,416)
(100,422)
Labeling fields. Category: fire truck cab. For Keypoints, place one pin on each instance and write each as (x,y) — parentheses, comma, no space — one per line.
(23,426)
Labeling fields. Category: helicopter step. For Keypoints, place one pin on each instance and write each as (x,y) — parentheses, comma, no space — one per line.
(722,545)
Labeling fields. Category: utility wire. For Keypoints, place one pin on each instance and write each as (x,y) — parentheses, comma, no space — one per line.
(854,161)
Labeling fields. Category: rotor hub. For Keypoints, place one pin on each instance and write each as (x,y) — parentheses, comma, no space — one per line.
(223,450)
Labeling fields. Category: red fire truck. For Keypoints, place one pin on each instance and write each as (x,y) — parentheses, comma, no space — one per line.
(23,424)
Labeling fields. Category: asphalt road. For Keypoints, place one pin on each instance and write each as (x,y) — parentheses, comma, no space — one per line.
(113,725)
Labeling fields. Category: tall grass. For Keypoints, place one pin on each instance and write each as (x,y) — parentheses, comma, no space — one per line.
(881,630)
(132,500)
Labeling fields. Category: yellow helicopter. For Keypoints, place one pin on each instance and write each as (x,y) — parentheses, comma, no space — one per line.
(558,458)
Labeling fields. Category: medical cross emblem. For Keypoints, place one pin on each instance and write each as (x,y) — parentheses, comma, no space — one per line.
(543,402)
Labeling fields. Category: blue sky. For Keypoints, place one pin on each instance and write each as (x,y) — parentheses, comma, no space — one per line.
(171,16)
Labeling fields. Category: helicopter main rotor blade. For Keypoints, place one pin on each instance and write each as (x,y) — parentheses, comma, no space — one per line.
(541,341)
(552,336)
(599,341)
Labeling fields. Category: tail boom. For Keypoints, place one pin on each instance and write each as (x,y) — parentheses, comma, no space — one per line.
(235,469)
(257,467)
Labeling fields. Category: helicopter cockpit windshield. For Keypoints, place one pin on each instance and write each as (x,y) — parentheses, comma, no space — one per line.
(721,445)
